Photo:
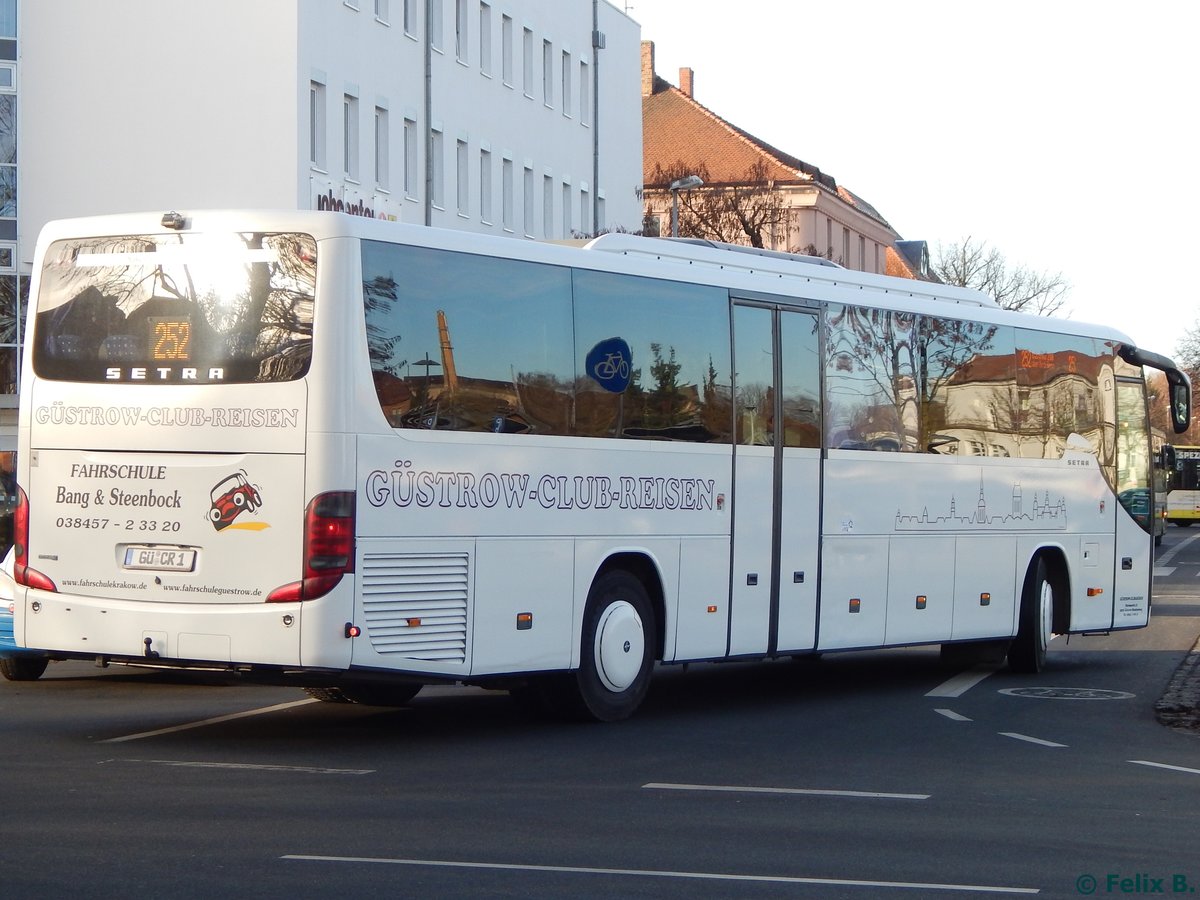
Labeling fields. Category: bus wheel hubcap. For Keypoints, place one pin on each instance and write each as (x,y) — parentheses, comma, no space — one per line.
(620,646)
(1046,613)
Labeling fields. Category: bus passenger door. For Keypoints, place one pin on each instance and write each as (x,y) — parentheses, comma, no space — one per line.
(777,466)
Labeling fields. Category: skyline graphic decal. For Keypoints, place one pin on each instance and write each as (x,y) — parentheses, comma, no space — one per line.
(1041,512)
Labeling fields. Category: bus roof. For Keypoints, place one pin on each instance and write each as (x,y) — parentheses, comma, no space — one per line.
(755,259)
(746,270)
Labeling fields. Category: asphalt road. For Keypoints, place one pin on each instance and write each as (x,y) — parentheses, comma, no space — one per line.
(861,775)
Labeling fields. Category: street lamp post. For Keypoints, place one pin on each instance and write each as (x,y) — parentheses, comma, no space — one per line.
(683,184)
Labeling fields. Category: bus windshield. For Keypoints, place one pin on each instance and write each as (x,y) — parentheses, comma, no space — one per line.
(175,308)
(1187,469)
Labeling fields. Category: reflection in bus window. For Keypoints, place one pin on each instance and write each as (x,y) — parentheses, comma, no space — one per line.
(800,403)
(754,355)
(1133,471)
(463,342)
(896,381)
(1058,379)
(8,497)
(968,384)
(678,336)
(468,343)
(165,309)
(871,379)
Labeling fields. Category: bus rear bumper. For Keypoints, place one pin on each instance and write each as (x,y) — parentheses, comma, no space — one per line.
(162,633)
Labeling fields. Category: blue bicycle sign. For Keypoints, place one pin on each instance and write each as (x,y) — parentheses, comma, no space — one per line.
(610,364)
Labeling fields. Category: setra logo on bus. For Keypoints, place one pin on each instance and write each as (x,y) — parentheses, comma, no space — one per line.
(161,373)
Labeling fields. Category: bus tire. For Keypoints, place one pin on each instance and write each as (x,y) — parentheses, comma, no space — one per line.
(23,668)
(1028,651)
(617,648)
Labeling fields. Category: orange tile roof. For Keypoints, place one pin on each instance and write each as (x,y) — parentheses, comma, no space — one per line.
(897,266)
(678,130)
(680,135)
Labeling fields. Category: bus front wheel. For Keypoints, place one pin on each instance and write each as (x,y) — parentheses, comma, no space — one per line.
(1028,650)
(617,649)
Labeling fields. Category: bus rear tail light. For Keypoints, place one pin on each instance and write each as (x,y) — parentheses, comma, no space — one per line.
(328,548)
(22,572)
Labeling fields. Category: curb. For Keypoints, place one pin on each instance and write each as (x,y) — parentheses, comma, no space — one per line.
(1179,706)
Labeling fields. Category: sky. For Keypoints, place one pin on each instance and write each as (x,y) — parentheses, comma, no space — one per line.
(1060,132)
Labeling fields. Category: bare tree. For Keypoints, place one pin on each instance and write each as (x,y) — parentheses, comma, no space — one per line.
(1187,351)
(1187,357)
(745,211)
(1160,412)
(974,264)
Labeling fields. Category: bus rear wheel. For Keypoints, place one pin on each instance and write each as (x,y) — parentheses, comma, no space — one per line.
(23,668)
(617,648)
(1028,650)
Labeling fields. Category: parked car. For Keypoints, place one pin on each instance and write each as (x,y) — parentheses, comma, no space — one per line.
(16,664)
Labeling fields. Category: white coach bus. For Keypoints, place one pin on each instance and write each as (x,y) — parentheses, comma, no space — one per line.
(361,457)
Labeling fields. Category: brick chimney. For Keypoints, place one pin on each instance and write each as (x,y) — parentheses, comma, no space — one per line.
(686,79)
(647,68)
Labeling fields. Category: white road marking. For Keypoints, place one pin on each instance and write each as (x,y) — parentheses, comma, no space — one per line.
(1146,762)
(1166,558)
(312,770)
(214,721)
(1164,571)
(657,873)
(1031,740)
(963,681)
(951,714)
(738,789)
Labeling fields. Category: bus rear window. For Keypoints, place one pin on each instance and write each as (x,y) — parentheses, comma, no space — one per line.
(176,308)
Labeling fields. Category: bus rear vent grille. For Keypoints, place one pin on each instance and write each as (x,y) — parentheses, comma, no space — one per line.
(416,606)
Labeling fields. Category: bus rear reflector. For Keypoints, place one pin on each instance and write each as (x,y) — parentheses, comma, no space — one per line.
(328,548)
(22,573)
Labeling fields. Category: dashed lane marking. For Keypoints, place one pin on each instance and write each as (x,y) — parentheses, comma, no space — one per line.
(963,681)
(278,707)
(661,873)
(1166,558)
(254,767)
(952,715)
(816,792)
(1031,740)
(1158,765)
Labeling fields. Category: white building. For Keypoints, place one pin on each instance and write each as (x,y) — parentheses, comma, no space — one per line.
(513,117)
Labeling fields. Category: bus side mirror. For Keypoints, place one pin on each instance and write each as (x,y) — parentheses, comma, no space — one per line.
(1179,388)
(1181,402)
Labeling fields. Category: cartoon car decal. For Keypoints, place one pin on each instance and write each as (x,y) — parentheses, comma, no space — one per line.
(231,497)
